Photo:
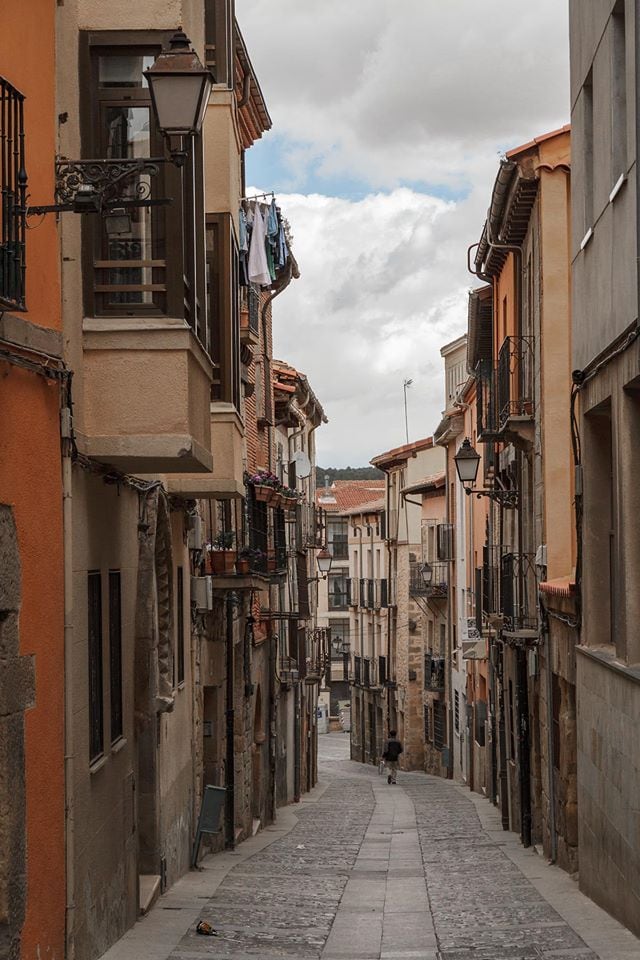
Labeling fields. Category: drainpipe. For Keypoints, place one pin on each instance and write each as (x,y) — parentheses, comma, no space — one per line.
(67,528)
(550,771)
(230,723)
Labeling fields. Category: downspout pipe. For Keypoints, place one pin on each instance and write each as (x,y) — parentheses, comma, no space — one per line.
(230,724)
(69,748)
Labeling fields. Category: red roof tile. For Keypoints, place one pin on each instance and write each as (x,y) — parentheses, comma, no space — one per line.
(403,452)
(343,495)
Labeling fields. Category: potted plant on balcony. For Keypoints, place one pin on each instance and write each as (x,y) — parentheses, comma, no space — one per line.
(289,498)
(264,484)
(221,554)
(243,561)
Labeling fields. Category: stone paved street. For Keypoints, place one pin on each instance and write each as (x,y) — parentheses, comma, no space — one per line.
(365,870)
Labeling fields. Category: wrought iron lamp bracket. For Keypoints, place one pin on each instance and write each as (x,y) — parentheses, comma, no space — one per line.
(506,498)
(96,186)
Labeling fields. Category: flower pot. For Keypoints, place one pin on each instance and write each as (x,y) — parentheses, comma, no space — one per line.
(275,498)
(221,562)
(262,492)
(242,566)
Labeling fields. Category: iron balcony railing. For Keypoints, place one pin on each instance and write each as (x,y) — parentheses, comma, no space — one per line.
(357,671)
(354,591)
(439,586)
(518,592)
(434,673)
(515,379)
(366,672)
(382,670)
(13,198)
(487,420)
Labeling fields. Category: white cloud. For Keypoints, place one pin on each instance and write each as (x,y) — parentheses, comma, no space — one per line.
(373,305)
(418,90)
(386,94)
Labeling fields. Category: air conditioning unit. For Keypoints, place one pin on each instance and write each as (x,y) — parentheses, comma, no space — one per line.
(195,534)
(202,593)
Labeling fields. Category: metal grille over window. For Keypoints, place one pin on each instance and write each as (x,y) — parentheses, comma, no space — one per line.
(14,192)
(94,636)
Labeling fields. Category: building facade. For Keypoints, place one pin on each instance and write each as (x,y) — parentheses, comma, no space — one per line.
(519,355)
(604,356)
(34,386)
(405,467)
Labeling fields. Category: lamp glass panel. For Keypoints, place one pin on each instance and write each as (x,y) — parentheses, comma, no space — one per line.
(178,101)
(467,468)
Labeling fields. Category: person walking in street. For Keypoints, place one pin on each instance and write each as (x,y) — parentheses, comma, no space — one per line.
(391,755)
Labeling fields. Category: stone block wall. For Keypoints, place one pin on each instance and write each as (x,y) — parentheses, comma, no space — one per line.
(608,701)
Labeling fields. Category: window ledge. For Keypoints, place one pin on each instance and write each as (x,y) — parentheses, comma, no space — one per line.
(617,187)
(118,745)
(586,238)
(608,660)
(98,764)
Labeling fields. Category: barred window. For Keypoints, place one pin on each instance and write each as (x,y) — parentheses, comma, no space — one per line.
(94,637)
(13,186)
(115,654)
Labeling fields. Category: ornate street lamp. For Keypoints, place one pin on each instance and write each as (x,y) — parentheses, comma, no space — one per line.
(179,86)
(426,572)
(323,561)
(467,461)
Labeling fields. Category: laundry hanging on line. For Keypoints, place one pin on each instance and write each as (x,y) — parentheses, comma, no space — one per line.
(263,244)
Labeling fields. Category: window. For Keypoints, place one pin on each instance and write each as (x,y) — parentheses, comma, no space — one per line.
(439,725)
(618,92)
(94,636)
(587,150)
(338,591)
(512,739)
(456,711)
(115,654)
(556,698)
(337,535)
(339,637)
(13,191)
(427,723)
(139,272)
(223,335)
(218,27)
(180,623)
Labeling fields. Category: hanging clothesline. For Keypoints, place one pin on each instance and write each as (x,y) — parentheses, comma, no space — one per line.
(260,196)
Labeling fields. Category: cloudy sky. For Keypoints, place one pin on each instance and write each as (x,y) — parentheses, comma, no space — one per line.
(389,119)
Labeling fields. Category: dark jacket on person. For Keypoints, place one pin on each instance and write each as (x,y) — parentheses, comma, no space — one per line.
(392,750)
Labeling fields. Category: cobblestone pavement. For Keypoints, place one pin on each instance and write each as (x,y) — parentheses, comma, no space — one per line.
(363,870)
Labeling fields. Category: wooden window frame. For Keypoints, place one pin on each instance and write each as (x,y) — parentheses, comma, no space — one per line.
(180,275)
(95,665)
(223,333)
(115,655)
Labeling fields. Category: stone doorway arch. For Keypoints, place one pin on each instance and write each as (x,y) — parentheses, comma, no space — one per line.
(153,665)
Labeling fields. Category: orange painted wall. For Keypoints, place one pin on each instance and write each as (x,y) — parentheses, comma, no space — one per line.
(30,480)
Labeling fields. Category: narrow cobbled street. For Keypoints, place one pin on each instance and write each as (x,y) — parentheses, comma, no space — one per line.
(365,870)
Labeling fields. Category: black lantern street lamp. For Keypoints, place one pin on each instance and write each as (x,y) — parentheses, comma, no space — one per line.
(467,461)
(426,572)
(179,86)
(323,560)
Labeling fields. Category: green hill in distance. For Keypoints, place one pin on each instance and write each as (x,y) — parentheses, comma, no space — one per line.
(346,473)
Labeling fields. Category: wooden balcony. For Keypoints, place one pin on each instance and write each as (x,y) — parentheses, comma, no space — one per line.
(146,387)
(224,481)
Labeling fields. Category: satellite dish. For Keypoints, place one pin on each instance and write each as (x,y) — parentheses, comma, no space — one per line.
(303,464)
